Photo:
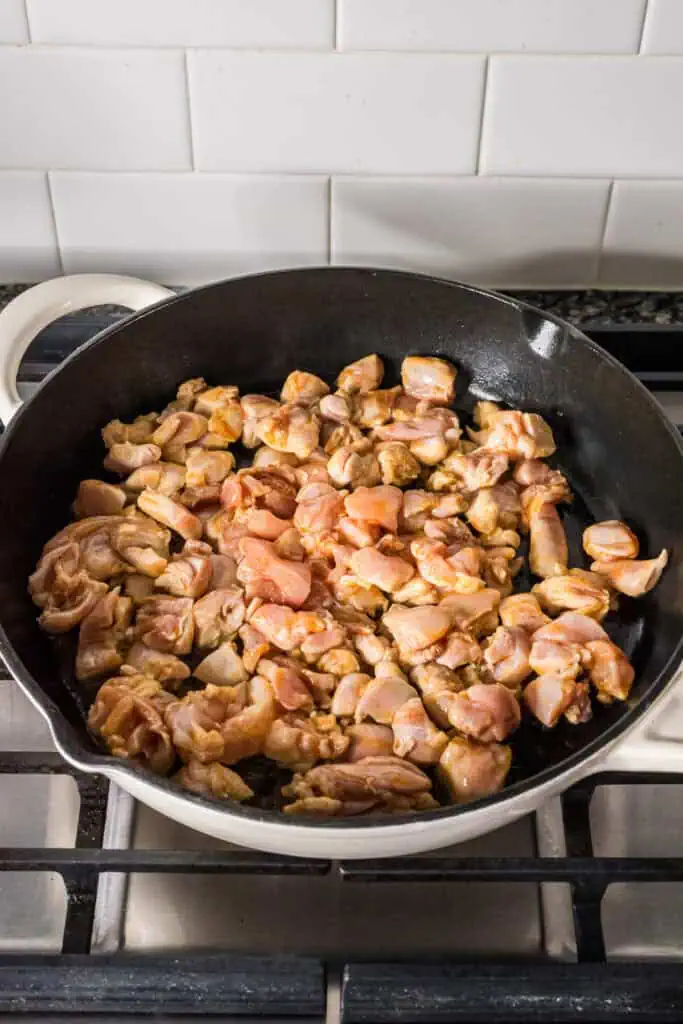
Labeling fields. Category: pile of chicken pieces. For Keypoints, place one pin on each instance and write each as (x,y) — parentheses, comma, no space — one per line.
(344,605)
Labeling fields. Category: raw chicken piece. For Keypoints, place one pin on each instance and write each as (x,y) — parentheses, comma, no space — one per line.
(271,578)
(96,498)
(254,409)
(522,610)
(632,577)
(548,552)
(376,505)
(417,592)
(375,408)
(211,399)
(241,731)
(188,393)
(64,592)
(285,628)
(461,649)
(156,664)
(218,615)
(436,567)
(548,697)
(415,736)
(102,635)
(372,648)
(223,572)
(571,628)
(171,514)
(368,740)
(398,466)
(204,467)
(196,721)
(223,667)
(481,468)
(340,661)
(137,432)
(143,544)
(98,558)
(436,684)
(127,714)
(382,697)
(290,429)
(362,376)
(318,509)
(611,673)
(555,658)
(610,541)
(213,780)
(473,613)
(166,477)
(124,458)
(262,523)
(382,783)
(388,572)
(414,629)
(348,693)
(255,646)
(138,586)
(483,413)
(471,770)
(530,472)
(363,597)
(180,428)
(288,683)
(485,711)
(520,435)
(358,533)
(429,379)
(577,591)
(188,574)
(166,624)
(336,408)
(436,424)
(496,507)
(507,655)
(317,644)
(580,710)
(351,468)
(298,741)
(273,489)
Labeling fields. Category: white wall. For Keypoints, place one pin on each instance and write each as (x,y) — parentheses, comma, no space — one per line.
(519,143)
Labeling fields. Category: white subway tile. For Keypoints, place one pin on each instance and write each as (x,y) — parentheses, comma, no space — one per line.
(311,113)
(253,23)
(189,228)
(591,116)
(663,31)
(28,247)
(500,232)
(644,238)
(98,109)
(13,25)
(546,26)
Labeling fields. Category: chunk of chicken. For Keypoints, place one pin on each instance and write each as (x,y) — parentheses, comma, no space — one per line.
(96,498)
(415,629)
(196,721)
(535,472)
(380,783)
(285,628)
(382,697)
(270,577)
(318,509)
(218,615)
(98,558)
(288,683)
(429,379)
(166,624)
(272,489)
(127,714)
(522,610)
(223,572)
(548,551)
(143,544)
(204,467)
(481,468)
(138,586)
(376,407)
(577,591)
(362,376)
(461,649)
(520,435)
(633,577)
(379,506)
(484,711)
(298,741)
(166,477)
(169,513)
(255,408)
(388,572)
(372,648)
(180,428)
(556,658)
(507,655)
(291,428)
(223,667)
(65,592)
(137,432)
(610,541)
(213,780)
(436,567)
(436,425)
(549,696)
(348,693)
(610,671)
(351,468)
(397,464)
(336,408)
(571,628)
(125,457)
(102,635)
(474,613)
(415,736)
(496,507)
(472,770)
(156,664)
(188,574)
(368,739)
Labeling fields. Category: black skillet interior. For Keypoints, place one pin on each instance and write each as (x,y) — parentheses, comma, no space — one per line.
(622,459)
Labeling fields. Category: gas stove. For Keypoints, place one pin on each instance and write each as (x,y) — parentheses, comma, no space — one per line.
(108,910)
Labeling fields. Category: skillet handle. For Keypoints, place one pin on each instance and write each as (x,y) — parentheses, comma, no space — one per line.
(27,314)
(655,744)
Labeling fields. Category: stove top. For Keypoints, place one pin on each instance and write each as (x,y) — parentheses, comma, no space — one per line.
(109,910)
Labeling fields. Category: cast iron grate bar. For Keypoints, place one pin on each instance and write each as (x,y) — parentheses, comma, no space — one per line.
(499,994)
(204,862)
(163,986)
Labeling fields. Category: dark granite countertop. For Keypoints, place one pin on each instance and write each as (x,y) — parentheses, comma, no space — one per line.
(579,307)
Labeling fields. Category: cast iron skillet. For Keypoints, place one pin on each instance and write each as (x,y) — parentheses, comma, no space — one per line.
(622,457)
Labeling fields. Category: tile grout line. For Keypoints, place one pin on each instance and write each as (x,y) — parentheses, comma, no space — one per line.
(484,94)
(28,22)
(603,233)
(190,127)
(53,214)
(643,23)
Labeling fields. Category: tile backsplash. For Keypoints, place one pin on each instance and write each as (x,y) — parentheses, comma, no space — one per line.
(512,143)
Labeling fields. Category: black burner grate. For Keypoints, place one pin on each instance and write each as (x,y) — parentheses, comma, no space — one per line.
(227,986)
